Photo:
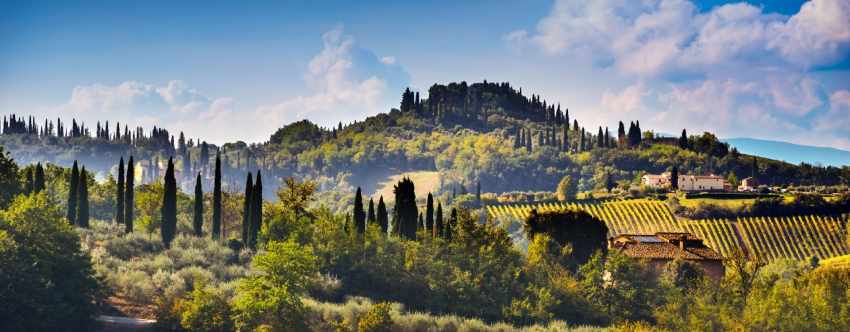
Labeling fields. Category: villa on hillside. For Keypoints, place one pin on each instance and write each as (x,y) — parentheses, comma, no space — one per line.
(664,247)
(687,182)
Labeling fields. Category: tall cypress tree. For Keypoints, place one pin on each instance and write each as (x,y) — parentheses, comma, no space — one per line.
(83,200)
(129,202)
(168,224)
(72,194)
(438,221)
(119,194)
(447,233)
(216,217)
(38,182)
(256,211)
(198,222)
(359,214)
(683,140)
(429,214)
(370,216)
(29,187)
(405,212)
(383,217)
(246,209)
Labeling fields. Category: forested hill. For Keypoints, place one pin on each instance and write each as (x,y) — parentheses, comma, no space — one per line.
(488,133)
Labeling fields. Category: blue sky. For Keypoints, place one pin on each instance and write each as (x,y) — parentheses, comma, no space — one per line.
(228,70)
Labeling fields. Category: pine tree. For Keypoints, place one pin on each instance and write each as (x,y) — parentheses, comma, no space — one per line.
(83,200)
(256,211)
(359,214)
(119,194)
(246,208)
(216,217)
(370,216)
(168,224)
(129,196)
(438,221)
(72,194)
(383,217)
(38,182)
(198,221)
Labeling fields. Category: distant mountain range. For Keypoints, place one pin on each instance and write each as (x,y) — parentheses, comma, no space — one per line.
(792,153)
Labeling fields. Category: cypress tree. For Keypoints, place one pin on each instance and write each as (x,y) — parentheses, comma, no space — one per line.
(129,196)
(256,211)
(246,208)
(29,187)
(447,233)
(83,200)
(421,223)
(383,217)
(674,177)
(119,194)
(72,194)
(478,192)
(198,221)
(216,217)
(38,182)
(404,213)
(359,214)
(370,216)
(429,214)
(438,221)
(683,140)
(168,225)
(600,138)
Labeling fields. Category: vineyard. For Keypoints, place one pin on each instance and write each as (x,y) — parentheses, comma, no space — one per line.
(771,238)
(622,217)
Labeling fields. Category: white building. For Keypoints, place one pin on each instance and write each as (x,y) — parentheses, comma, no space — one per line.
(687,182)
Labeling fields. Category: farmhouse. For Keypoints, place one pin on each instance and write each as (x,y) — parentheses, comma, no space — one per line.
(748,184)
(662,248)
(687,182)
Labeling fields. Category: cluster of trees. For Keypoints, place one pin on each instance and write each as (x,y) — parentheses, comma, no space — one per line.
(407,220)
(78,197)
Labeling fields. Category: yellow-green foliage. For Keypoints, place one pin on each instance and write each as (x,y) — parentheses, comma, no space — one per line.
(639,216)
(770,238)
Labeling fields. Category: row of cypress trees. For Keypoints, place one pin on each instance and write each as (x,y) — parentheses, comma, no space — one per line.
(252,210)
(35,182)
(78,196)
(404,215)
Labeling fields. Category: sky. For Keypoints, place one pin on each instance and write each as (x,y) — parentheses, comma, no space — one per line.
(227,71)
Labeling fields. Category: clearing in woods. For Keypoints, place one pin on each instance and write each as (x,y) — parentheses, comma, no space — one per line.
(424,181)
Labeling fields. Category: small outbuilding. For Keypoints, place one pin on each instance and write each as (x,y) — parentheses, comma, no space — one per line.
(665,247)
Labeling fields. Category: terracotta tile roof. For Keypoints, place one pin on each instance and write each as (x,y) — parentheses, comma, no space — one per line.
(664,246)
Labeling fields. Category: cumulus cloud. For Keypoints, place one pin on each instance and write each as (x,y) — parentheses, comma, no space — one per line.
(345,82)
(653,37)
(733,69)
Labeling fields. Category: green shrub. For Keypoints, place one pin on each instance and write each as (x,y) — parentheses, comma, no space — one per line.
(206,310)
(377,319)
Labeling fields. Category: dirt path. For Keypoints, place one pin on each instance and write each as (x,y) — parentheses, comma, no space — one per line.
(115,324)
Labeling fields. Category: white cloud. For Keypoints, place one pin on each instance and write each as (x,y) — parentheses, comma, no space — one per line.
(346,83)
(733,69)
(652,37)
